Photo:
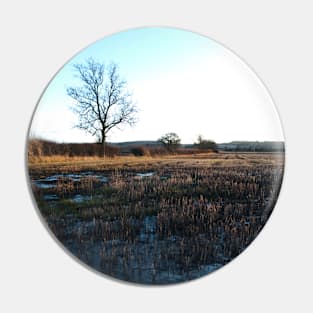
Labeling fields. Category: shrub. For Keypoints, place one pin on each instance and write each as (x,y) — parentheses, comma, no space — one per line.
(140,151)
(40,148)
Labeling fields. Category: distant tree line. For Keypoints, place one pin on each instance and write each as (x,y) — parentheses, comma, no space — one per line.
(169,143)
(172,143)
(40,148)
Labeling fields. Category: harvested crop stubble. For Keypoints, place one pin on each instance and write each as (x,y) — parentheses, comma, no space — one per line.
(176,222)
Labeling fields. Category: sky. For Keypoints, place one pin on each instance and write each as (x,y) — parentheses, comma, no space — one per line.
(181,82)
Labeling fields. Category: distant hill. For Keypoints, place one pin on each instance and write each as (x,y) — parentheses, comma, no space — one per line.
(145,143)
(38,148)
(252,146)
(129,144)
(247,146)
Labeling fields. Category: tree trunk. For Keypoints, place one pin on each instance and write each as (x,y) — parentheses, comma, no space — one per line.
(103,149)
(103,144)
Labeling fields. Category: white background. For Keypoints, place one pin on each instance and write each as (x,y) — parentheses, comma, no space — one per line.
(274,273)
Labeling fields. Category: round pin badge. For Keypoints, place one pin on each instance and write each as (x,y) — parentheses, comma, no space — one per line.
(155,156)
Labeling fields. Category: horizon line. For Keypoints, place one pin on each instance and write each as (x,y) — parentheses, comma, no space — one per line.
(133,141)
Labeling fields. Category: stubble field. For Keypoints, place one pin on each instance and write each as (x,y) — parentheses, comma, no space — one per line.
(157,220)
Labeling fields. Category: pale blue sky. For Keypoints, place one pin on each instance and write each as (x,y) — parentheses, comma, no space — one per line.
(182,82)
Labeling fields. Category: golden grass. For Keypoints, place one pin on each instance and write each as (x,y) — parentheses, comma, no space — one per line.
(76,164)
(194,211)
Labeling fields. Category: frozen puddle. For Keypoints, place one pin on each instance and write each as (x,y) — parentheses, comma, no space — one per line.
(48,182)
(50,197)
(80,198)
(101,179)
(44,185)
(149,174)
(51,181)
(76,198)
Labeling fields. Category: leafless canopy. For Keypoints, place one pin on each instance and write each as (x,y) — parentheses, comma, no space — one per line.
(205,144)
(102,100)
(171,141)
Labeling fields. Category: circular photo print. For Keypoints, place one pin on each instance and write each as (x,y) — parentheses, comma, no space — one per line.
(155,156)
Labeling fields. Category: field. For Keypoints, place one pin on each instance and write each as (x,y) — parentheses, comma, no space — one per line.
(157,220)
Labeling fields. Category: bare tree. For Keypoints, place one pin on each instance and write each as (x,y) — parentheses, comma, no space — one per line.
(205,144)
(171,141)
(102,100)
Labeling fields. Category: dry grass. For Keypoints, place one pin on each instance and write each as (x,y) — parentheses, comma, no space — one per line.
(194,211)
(57,164)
